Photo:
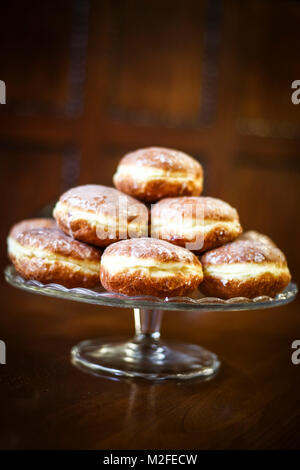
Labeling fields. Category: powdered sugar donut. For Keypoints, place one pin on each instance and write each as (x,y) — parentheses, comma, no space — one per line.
(152,173)
(197,223)
(100,215)
(147,266)
(244,269)
(48,255)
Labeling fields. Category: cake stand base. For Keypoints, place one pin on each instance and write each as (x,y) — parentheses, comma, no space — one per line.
(146,356)
(144,359)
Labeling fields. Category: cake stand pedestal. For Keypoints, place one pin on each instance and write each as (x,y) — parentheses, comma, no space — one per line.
(146,355)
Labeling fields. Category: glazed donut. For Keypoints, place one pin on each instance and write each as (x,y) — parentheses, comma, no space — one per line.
(29,224)
(197,223)
(100,215)
(253,236)
(244,269)
(48,255)
(152,173)
(147,266)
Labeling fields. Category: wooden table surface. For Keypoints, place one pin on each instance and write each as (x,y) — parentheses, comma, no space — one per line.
(46,403)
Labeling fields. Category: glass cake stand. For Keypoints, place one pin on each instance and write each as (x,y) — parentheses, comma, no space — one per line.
(146,356)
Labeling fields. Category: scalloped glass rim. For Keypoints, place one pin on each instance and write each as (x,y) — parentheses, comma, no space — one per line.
(101,297)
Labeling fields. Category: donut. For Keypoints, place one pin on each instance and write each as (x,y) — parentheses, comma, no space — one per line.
(29,224)
(197,223)
(252,235)
(50,256)
(147,266)
(100,215)
(244,268)
(153,173)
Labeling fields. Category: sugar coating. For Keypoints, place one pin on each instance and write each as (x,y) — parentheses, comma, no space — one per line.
(151,248)
(252,235)
(244,251)
(55,241)
(97,198)
(159,157)
(211,208)
(29,224)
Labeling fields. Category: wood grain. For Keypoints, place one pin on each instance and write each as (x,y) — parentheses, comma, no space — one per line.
(46,403)
(87,81)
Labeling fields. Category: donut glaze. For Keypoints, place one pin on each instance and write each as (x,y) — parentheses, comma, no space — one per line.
(49,256)
(100,215)
(29,224)
(153,173)
(244,268)
(147,266)
(252,235)
(197,223)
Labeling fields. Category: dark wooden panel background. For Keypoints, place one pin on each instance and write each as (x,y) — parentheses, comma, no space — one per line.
(88,81)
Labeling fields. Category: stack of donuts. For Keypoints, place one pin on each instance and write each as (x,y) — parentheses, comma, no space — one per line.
(153,234)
